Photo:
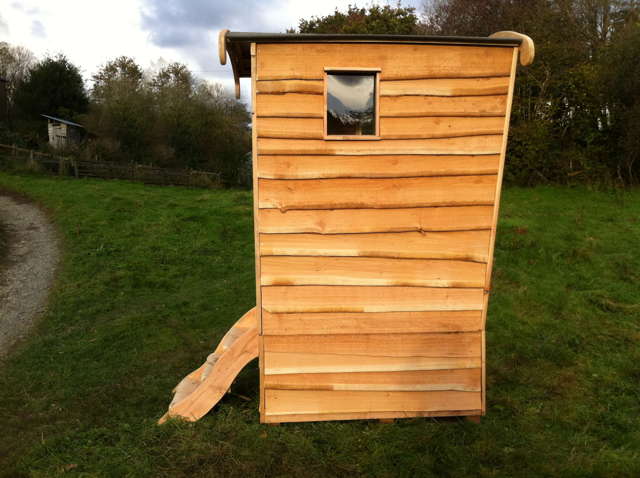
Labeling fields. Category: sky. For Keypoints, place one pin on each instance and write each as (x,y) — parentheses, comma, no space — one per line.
(92,32)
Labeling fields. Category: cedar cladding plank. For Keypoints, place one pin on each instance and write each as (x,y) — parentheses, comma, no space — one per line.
(284,299)
(373,323)
(291,270)
(334,221)
(376,193)
(384,166)
(308,61)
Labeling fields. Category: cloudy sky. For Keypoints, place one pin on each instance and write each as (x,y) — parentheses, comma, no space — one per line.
(91,32)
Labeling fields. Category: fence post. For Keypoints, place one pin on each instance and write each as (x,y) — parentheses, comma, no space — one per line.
(74,162)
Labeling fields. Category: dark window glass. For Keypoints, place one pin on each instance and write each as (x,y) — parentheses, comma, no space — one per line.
(351,105)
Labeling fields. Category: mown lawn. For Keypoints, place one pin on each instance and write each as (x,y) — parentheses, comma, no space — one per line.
(152,277)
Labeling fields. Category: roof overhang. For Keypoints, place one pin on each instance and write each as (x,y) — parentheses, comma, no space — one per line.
(238,44)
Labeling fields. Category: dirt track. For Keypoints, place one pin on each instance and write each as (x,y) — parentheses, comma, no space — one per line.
(27,273)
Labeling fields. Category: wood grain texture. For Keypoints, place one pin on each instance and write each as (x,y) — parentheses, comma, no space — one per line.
(337,221)
(386,166)
(302,362)
(292,128)
(376,193)
(465,344)
(286,299)
(316,417)
(460,245)
(439,127)
(486,144)
(290,105)
(281,402)
(308,61)
(291,86)
(474,106)
(461,380)
(390,128)
(446,87)
(372,323)
(291,270)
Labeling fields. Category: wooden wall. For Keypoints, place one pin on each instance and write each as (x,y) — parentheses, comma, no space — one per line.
(374,256)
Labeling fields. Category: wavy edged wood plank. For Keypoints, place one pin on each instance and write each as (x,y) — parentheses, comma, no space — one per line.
(462,380)
(287,194)
(290,86)
(460,245)
(465,344)
(290,270)
(308,61)
(291,128)
(335,221)
(439,127)
(286,299)
(281,402)
(315,417)
(293,363)
(390,128)
(290,105)
(474,106)
(371,323)
(385,166)
(202,389)
(446,87)
(485,144)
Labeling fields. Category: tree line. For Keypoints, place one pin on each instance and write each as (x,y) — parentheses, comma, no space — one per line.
(164,117)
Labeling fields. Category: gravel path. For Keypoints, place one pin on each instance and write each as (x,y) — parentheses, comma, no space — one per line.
(27,273)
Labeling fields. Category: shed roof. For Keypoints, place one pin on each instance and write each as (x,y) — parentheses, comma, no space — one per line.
(238,44)
(64,121)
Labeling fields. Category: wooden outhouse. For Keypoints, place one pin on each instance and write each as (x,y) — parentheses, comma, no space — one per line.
(377,168)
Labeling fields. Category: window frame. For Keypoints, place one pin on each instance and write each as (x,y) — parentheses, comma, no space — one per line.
(356,70)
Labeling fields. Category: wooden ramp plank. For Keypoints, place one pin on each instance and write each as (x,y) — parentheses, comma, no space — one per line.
(286,194)
(289,270)
(460,245)
(204,388)
(337,221)
(372,323)
(285,299)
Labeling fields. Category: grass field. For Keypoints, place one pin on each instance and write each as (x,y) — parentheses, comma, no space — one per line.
(152,277)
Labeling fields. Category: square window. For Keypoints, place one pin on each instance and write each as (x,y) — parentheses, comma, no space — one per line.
(351,103)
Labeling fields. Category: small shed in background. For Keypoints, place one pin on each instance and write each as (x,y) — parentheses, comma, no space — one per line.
(63,133)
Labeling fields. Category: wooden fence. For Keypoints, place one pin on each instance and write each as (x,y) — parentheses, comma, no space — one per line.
(81,168)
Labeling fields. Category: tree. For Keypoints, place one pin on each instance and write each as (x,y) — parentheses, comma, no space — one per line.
(15,63)
(54,86)
(396,20)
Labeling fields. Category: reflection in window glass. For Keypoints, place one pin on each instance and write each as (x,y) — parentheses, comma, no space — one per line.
(351,103)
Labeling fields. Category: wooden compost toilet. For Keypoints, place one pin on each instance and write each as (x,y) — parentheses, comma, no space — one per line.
(377,168)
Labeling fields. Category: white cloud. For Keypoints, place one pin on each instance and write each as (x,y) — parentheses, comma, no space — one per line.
(92,32)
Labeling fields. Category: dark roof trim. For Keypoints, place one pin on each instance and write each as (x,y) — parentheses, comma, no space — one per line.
(60,120)
(347,38)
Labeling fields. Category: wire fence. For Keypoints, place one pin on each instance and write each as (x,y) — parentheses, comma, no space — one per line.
(82,168)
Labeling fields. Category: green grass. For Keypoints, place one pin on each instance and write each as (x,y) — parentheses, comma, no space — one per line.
(152,278)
